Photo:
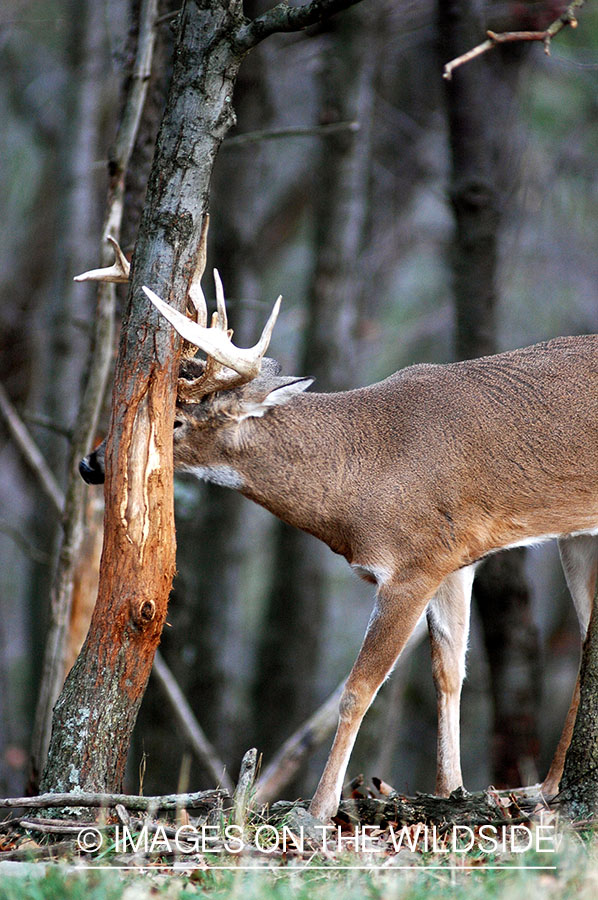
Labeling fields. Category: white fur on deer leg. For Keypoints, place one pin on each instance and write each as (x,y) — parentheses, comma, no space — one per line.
(225,476)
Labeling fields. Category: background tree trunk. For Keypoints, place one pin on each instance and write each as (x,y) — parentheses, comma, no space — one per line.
(480,183)
(578,790)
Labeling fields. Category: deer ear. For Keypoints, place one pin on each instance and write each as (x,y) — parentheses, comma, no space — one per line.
(277,395)
(281,395)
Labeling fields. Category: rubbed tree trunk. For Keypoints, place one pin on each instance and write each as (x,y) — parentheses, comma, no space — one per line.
(479,183)
(578,790)
(96,711)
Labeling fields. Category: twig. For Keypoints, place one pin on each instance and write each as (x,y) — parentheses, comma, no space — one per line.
(244,785)
(283,18)
(55,826)
(253,137)
(167,17)
(129,801)
(191,727)
(568,17)
(31,452)
(52,851)
(64,826)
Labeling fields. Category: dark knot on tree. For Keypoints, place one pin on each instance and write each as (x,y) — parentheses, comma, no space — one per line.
(144,612)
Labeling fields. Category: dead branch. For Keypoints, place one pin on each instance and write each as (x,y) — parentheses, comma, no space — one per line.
(25,544)
(244,786)
(129,801)
(568,17)
(283,18)
(31,452)
(194,733)
(461,808)
(275,134)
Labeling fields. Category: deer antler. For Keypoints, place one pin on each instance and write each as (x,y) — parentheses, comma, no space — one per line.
(118,272)
(226,366)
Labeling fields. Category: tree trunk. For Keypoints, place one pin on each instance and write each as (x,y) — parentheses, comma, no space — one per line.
(578,790)
(66,371)
(479,181)
(96,711)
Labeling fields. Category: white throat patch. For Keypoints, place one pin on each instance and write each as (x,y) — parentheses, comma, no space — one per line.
(225,476)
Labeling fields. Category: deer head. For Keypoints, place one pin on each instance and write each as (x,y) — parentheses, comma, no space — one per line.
(229,385)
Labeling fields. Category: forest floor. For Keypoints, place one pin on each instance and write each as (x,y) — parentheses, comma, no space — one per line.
(491,844)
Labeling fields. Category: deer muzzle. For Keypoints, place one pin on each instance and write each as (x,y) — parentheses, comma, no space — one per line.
(91,467)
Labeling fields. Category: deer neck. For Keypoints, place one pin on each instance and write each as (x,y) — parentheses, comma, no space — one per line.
(296,462)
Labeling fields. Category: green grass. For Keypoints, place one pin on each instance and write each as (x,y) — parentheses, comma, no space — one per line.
(575,878)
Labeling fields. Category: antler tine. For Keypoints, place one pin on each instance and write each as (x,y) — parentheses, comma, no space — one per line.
(117,273)
(220,304)
(264,341)
(215,342)
(194,292)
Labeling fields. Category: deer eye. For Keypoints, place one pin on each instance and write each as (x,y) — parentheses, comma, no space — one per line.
(178,423)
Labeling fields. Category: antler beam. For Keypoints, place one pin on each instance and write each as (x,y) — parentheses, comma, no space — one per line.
(215,341)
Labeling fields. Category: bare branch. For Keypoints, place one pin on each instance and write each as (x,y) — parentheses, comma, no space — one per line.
(129,801)
(568,17)
(31,452)
(24,544)
(191,727)
(283,18)
(275,134)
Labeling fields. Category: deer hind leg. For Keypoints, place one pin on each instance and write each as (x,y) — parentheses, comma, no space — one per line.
(395,615)
(579,557)
(448,624)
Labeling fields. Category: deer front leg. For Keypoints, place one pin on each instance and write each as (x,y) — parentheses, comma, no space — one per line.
(448,624)
(393,619)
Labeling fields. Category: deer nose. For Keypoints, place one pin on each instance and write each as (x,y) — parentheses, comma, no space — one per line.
(90,470)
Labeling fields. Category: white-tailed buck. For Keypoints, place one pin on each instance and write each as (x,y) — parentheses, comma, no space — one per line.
(413,480)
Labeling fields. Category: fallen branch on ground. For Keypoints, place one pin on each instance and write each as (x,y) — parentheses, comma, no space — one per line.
(129,801)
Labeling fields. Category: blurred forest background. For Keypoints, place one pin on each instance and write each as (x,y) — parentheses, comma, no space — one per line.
(364,230)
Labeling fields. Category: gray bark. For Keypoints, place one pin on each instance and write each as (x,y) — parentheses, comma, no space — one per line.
(578,790)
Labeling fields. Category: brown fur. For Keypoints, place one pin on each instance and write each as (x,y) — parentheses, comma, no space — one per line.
(415,479)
